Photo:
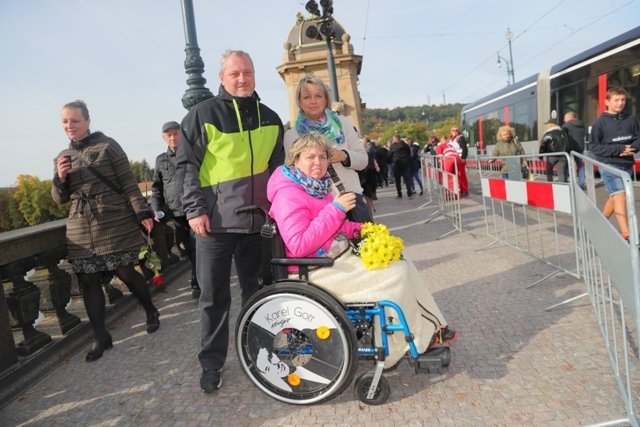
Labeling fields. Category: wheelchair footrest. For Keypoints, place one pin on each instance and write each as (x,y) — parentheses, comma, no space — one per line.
(433,361)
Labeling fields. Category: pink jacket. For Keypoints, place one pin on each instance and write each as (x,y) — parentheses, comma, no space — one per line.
(306,224)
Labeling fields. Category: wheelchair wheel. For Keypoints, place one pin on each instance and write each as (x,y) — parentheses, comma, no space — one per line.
(380,396)
(296,344)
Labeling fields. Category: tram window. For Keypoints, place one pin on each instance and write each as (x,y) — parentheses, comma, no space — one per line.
(523,118)
(571,98)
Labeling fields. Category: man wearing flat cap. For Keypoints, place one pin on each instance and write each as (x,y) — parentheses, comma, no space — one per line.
(165,198)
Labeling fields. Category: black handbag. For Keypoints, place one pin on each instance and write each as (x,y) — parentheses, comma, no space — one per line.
(363,211)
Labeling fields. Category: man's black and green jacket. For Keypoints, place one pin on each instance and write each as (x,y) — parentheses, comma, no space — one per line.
(229,148)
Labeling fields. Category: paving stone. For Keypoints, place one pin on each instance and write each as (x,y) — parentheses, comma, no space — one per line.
(514,364)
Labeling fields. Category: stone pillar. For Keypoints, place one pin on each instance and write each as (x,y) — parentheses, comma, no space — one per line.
(55,294)
(8,355)
(23,302)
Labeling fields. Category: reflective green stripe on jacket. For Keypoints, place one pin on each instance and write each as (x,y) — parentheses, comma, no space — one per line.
(227,160)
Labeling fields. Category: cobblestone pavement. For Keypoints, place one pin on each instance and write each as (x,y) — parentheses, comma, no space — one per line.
(515,363)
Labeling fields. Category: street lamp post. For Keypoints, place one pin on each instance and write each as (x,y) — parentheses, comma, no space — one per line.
(511,78)
(509,36)
(509,69)
(327,28)
(193,63)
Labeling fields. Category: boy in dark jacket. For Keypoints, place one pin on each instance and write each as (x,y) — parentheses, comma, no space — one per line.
(614,139)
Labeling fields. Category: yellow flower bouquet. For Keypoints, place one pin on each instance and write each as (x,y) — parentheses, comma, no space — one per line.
(377,247)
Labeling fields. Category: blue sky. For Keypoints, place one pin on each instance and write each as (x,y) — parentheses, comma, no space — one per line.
(125,58)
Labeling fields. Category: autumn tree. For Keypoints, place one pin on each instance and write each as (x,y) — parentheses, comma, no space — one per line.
(141,171)
(417,122)
(33,201)
(10,217)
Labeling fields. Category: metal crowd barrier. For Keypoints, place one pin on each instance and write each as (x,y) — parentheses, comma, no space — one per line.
(442,189)
(611,272)
(525,211)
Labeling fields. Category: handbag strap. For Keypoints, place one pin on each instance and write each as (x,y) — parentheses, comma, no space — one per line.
(336,179)
(101,177)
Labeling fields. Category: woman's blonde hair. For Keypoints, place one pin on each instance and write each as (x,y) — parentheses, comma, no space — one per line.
(310,79)
(512,132)
(302,144)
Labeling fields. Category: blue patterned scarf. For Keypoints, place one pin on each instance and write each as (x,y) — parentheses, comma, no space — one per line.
(329,126)
(317,188)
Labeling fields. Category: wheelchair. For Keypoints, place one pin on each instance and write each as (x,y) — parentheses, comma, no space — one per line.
(300,345)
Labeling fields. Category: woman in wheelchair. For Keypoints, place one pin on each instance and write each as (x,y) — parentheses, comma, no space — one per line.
(312,222)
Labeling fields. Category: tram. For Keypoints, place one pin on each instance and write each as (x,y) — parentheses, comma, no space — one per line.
(577,84)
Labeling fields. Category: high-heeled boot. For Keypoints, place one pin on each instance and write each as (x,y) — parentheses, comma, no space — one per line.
(153,321)
(99,346)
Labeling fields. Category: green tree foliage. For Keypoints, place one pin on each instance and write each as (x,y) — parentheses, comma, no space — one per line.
(33,201)
(30,202)
(417,122)
(10,217)
(141,171)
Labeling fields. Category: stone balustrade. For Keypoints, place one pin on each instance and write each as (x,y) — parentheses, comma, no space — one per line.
(36,297)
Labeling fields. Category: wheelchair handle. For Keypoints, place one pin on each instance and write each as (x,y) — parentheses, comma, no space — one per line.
(250,209)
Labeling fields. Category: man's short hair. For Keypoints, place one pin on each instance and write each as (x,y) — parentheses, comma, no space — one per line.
(227,53)
(616,90)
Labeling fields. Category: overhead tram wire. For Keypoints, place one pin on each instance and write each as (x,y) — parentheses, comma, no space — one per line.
(594,21)
(366,25)
(546,50)
(493,55)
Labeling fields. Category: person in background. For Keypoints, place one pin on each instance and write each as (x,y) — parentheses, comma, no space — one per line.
(165,199)
(368,178)
(614,139)
(401,160)
(315,116)
(313,223)
(574,129)
(391,176)
(555,140)
(459,142)
(506,145)
(382,158)
(451,164)
(103,227)
(230,145)
(415,166)
(430,146)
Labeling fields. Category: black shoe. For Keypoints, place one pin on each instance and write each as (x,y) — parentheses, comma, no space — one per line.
(421,192)
(195,293)
(153,322)
(443,337)
(99,346)
(211,380)
(399,197)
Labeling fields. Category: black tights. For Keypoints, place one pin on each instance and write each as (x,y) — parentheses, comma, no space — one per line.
(93,296)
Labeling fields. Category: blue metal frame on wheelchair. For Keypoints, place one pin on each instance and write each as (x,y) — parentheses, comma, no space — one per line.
(354,312)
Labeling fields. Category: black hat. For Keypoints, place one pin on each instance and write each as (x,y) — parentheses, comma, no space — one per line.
(170,125)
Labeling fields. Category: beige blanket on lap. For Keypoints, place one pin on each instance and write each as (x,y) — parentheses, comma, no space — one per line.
(349,281)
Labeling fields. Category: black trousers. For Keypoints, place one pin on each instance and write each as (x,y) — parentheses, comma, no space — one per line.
(560,162)
(215,254)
